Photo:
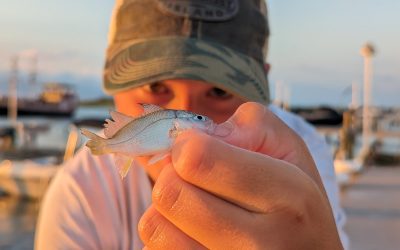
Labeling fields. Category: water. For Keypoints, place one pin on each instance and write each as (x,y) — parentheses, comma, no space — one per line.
(52,133)
(18,216)
(98,112)
(17,223)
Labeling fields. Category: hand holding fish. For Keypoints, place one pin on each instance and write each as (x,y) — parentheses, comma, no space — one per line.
(254,188)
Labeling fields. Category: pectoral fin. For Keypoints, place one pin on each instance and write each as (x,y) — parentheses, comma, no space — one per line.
(174,131)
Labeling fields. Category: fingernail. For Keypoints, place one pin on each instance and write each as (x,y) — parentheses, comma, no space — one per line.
(223,129)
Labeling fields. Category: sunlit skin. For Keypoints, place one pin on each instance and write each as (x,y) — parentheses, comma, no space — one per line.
(196,96)
(253,187)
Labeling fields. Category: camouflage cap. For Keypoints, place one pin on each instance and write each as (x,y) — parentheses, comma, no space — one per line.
(223,42)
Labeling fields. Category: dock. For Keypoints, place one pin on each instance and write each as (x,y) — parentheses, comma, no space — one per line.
(372,206)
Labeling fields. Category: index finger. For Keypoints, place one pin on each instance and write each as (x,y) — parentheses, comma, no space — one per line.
(248,179)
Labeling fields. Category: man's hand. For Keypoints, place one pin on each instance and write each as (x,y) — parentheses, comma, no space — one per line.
(253,185)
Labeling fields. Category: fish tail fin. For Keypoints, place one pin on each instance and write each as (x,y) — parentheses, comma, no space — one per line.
(96,144)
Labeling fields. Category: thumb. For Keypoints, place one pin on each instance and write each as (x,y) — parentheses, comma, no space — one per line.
(254,127)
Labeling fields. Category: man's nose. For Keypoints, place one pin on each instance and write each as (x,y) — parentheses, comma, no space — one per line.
(181,102)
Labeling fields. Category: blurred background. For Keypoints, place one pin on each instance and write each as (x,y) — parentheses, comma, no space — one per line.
(335,63)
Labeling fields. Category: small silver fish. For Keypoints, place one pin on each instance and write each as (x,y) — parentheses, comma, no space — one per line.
(150,134)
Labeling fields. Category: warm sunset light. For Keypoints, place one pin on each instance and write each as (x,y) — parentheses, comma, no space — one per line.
(200,124)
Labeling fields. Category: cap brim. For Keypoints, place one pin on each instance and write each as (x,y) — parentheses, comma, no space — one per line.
(149,61)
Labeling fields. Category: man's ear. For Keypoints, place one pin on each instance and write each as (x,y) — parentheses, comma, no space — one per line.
(267,67)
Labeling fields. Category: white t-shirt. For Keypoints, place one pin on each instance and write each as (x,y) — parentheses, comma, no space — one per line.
(88,206)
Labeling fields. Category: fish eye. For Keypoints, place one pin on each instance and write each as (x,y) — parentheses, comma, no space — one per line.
(200,118)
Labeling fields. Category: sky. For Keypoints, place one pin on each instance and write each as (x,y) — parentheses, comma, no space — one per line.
(314,46)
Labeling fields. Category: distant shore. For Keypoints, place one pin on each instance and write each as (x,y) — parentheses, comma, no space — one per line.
(101,102)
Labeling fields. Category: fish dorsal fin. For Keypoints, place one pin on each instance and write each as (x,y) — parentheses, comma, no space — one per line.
(119,121)
(149,108)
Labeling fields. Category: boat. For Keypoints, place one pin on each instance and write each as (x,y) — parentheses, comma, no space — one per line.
(320,115)
(25,168)
(27,178)
(55,100)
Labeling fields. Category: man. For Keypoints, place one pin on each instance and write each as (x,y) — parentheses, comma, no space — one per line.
(250,184)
